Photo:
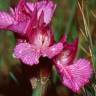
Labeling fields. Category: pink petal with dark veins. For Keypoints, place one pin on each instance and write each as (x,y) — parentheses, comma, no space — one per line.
(40,37)
(76,75)
(5,20)
(68,54)
(21,16)
(19,27)
(16,20)
(31,6)
(53,50)
(22,12)
(47,7)
(27,53)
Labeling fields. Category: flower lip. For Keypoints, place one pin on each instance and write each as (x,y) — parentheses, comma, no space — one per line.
(30,54)
(77,75)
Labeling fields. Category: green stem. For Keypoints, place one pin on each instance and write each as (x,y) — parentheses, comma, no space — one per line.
(41,87)
(41,82)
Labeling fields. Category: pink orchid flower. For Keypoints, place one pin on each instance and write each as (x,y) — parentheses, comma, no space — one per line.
(18,19)
(74,73)
(31,21)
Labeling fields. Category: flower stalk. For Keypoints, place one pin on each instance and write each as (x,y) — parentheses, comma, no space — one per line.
(41,83)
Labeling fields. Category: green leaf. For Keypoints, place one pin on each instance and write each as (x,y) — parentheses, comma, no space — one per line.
(90,91)
(55,75)
(70,20)
(94,56)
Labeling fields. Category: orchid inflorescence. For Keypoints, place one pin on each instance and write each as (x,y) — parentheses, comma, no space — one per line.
(32,23)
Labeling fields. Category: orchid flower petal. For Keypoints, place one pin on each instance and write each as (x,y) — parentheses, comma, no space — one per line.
(53,50)
(76,75)
(64,39)
(27,53)
(16,20)
(31,6)
(47,7)
(21,16)
(40,37)
(19,27)
(48,12)
(5,20)
(22,12)
(68,54)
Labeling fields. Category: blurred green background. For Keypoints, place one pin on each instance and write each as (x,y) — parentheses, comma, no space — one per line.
(75,18)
